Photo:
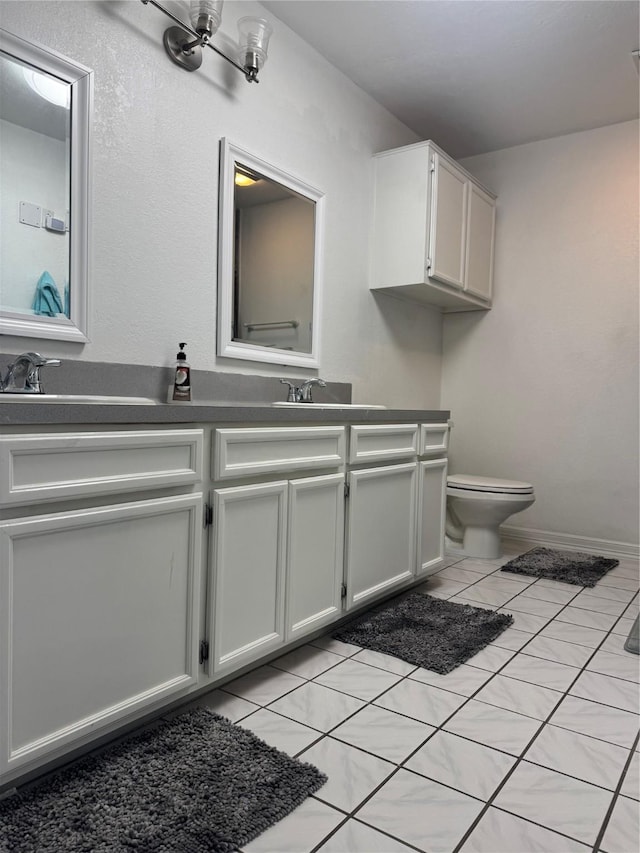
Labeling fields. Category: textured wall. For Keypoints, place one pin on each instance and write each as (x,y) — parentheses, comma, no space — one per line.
(156,138)
(544,387)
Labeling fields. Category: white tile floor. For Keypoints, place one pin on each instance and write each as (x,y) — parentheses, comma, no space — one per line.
(532,745)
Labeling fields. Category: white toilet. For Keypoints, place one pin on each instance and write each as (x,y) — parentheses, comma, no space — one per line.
(476,507)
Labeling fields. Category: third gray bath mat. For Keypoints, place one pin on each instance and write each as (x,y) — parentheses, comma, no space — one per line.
(566,566)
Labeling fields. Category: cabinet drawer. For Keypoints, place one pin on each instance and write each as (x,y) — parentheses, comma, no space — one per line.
(243,452)
(434,438)
(62,466)
(384,441)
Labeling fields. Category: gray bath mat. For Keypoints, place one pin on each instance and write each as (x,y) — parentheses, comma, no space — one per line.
(429,632)
(195,784)
(566,566)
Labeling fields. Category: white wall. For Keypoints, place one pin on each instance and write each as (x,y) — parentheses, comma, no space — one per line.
(156,134)
(33,169)
(544,387)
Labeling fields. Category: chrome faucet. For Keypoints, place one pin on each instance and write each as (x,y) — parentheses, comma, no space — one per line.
(302,393)
(23,374)
(305,389)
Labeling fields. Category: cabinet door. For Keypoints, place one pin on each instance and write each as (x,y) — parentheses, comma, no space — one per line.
(247,606)
(432,497)
(401,216)
(448,223)
(314,553)
(381,542)
(98,620)
(480,240)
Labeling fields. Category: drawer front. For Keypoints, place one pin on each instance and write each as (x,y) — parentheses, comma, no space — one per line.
(434,438)
(247,452)
(381,442)
(62,466)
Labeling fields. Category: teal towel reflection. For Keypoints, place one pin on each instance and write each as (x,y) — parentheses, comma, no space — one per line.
(47,300)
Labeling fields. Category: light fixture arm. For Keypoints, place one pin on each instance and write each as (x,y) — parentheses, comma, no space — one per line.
(181,49)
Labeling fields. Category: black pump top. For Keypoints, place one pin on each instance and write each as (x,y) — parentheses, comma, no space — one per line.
(181,356)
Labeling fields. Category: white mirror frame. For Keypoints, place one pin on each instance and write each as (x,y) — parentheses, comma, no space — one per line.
(75,328)
(230,155)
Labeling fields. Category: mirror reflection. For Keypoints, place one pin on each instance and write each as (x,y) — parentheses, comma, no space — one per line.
(35,128)
(273,263)
(270,252)
(45,130)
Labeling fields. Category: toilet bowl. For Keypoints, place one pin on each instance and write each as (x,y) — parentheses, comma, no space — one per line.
(476,507)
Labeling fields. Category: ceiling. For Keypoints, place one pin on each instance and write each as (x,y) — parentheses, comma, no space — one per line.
(481,75)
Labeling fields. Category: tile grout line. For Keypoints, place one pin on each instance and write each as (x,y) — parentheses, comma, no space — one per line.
(545,722)
(353,813)
(348,817)
(400,766)
(616,794)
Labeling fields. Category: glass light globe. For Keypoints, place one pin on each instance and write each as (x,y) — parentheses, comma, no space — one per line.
(206,16)
(254,43)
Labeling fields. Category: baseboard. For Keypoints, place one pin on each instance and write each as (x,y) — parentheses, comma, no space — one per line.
(570,542)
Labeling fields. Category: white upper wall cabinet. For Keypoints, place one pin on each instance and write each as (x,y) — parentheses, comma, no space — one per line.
(481,222)
(448,223)
(433,232)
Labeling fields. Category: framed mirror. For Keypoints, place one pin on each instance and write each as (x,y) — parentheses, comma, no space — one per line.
(45,129)
(270,262)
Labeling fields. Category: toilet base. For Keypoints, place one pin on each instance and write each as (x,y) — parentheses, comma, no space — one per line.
(481,543)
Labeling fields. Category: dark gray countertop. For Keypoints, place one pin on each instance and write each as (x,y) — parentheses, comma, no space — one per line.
(17,414)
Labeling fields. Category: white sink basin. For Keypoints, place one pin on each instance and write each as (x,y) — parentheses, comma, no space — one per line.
(104,400)
(330,405)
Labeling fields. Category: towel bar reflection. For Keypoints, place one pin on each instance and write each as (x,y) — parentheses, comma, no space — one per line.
(277,324)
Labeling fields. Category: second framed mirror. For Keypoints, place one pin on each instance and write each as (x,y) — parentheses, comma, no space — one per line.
(270,262)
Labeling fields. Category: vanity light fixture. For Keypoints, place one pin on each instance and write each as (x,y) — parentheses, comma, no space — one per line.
(185,43)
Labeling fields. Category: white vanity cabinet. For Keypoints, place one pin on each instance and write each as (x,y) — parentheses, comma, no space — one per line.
(248,566)
(381,511)
(277,544)
(431,497)
(433,231)
(315,547)
(122,588)
(99,584)
(395,512)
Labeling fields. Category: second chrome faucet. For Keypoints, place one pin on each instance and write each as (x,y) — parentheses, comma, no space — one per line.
(302,393)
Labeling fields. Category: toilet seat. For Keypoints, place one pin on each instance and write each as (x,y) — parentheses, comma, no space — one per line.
(473,483)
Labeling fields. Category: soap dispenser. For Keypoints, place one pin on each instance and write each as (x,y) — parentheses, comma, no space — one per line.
(182,379)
